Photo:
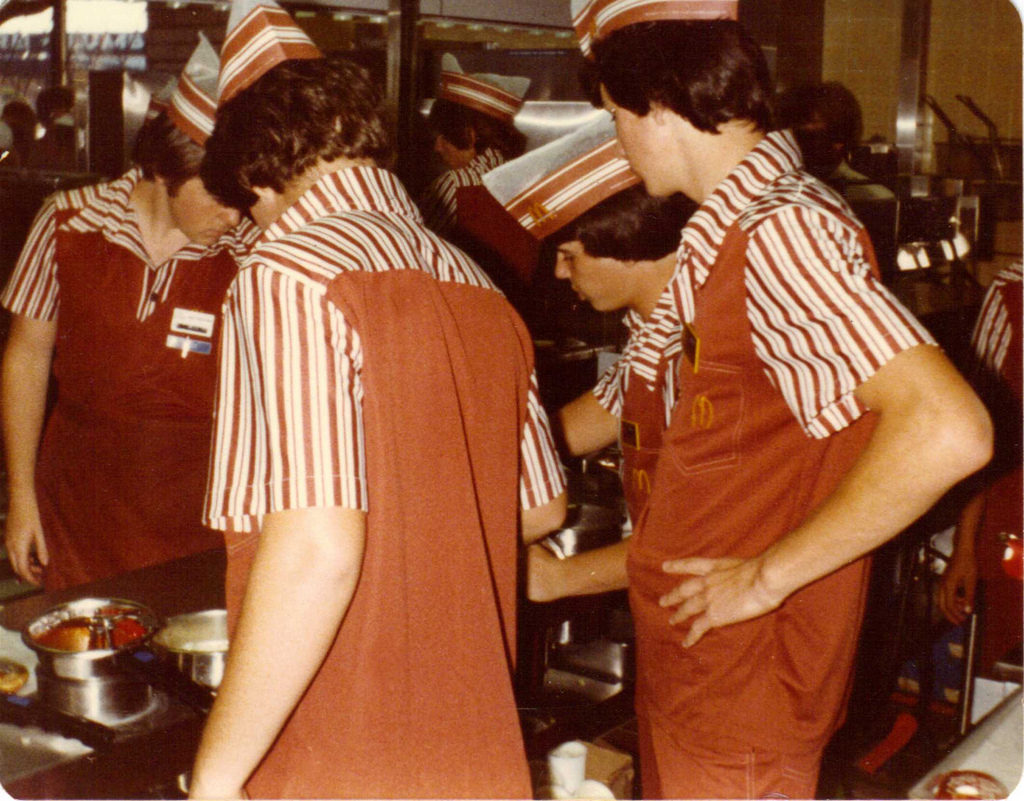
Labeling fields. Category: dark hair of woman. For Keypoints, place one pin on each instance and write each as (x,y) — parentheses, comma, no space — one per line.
(294,115)
(21,119)
(708,72)
(455,121)
(631,226)
(161,149)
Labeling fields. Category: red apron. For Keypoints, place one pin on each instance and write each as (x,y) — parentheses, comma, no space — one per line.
(736,474)
(414,699)
(640,433)
(122,467)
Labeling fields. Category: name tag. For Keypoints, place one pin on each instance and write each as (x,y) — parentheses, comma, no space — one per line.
(196,323)
(188,345)
(691,345)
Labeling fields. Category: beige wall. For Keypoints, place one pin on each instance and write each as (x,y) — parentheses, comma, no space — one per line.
(974,49)
(861,50)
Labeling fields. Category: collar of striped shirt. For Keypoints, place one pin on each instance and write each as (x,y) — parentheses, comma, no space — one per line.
(652,339)
(348,189)
(776,155)
(109,212)
(486,161)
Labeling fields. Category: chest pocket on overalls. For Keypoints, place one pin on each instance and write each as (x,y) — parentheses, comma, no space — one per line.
(705,431)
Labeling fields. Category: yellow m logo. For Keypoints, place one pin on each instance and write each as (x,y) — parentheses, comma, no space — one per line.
(702,412)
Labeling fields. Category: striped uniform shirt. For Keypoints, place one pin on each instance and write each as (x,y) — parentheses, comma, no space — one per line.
(289,430)
(993,330)
(438,203)
(34,288)
(651,341)
(821,323)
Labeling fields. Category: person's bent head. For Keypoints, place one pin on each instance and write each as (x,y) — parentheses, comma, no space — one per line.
(461,133)
(602,253)
(297,117)
(708,72)
(826,120)
(170,159)
(163,151)
(630,226)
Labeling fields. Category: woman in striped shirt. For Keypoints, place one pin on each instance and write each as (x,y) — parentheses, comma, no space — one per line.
(379,441)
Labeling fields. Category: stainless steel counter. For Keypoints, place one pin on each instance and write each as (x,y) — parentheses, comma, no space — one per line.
(992,749)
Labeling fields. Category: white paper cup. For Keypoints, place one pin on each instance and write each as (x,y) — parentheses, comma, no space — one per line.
(567,765)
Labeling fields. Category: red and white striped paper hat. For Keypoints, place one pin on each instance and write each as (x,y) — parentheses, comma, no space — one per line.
(595,19)
(551,186)
(498,96)
(260,36)
(193,105)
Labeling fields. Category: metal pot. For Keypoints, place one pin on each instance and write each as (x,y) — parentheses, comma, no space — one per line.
(95,662)
(110,700)
(92,683)
(196,644)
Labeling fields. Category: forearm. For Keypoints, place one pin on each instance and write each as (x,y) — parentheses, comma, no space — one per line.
(542,520)
(916,453)
(586,425)
(967,526)
(601,570)
(307,559)
(24,379)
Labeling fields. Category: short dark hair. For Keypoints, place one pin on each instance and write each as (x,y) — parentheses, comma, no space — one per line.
(631,226)
(454,121)
(53,101)
(21,119)
(162,149)
(709,72)
(294,115)
(829,104)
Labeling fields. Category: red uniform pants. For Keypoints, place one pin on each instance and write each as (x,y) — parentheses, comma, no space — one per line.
(670,768)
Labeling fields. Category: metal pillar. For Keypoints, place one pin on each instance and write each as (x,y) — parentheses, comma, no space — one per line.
(913,74)
(59,44)
(401,76)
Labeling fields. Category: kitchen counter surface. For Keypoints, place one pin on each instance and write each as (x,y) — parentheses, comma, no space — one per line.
(145,765)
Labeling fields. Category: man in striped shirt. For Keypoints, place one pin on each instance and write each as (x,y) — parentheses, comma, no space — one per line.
(816,419)
(987,540)
(379,437)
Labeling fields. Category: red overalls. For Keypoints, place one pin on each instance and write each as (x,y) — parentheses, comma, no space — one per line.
(121,474)
(737,473)
(414,698)
(641,429)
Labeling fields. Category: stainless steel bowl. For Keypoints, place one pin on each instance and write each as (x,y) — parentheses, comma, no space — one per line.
(96,662)
(196,644)
(92,683)
(109,700)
